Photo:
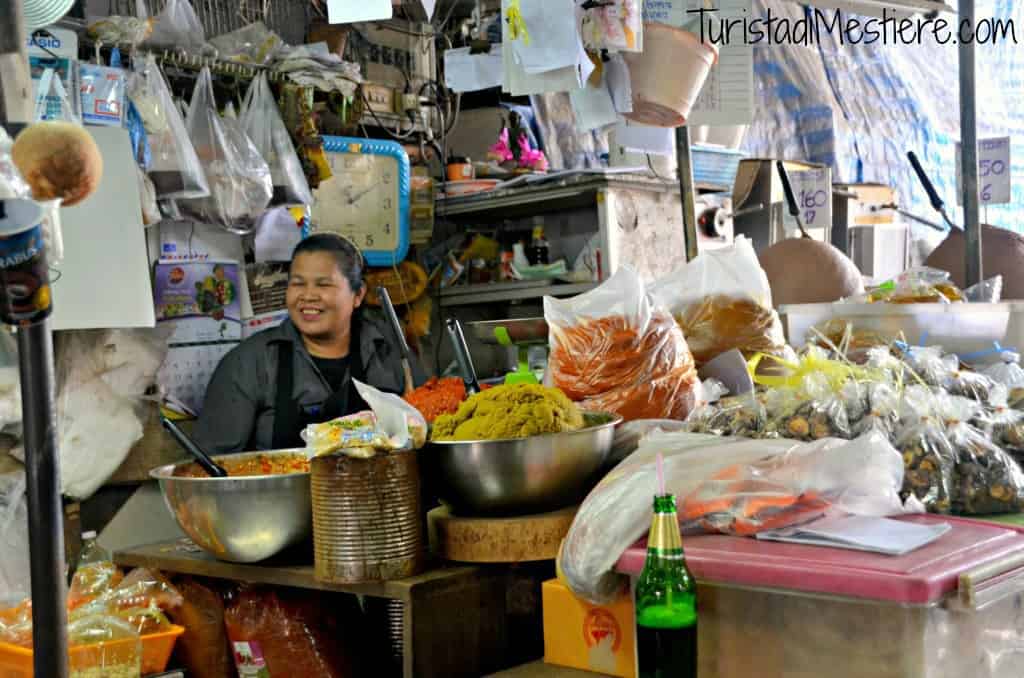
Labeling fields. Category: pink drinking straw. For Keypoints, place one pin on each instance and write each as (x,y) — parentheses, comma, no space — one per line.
(661,474)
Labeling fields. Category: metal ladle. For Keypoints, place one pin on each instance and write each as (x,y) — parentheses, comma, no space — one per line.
(214,469)
(462,356)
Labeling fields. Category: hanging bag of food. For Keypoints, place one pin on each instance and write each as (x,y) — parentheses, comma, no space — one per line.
(262,122)
(240,185)
(722,301)
(613,351)
(177,27)
(174,166)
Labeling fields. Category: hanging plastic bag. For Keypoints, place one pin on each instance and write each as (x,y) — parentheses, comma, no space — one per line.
(239,178)
(722,301)
(262,122)
(174,169)
(53,101)
(612,351)
(861,477)
(252,44)
(177,27)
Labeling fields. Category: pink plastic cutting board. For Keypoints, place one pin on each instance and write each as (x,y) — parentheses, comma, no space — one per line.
(920,577)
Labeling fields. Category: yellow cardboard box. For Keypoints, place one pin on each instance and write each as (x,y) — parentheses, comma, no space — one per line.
(589,637)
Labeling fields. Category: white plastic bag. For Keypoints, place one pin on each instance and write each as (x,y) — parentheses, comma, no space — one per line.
(15,583)
(402,422)
(861,477)
(174,166)
(239,178)
(611,351)
(1007,371)
(261,121)
(722,300)
(177,27)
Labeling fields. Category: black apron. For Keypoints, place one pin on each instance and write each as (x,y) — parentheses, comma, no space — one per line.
(291,418)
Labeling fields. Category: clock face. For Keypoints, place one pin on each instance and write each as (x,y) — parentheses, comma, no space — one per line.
(361,200)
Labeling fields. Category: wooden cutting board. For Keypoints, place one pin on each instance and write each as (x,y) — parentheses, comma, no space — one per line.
(498,540)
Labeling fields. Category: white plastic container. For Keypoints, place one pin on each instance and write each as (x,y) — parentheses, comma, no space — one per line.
(957,328)
(668,75)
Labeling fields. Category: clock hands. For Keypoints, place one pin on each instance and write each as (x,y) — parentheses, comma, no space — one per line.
(354,199)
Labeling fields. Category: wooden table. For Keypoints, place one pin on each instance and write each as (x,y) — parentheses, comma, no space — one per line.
(454,617)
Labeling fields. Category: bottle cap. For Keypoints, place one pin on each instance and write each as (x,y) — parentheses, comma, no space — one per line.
(89,535)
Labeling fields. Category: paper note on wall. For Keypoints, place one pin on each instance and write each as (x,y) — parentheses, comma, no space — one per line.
(728,94)
(353,11)
(812,189)
(994,172)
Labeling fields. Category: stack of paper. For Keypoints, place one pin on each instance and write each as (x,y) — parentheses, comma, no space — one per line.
(861,533)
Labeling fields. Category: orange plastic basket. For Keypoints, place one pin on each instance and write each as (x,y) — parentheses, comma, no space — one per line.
(16,662)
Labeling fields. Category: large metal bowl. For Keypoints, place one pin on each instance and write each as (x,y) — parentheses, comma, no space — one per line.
(520,476)
(243,519)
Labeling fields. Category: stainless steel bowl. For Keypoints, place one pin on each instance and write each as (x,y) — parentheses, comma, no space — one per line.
(520,476)
(243,519)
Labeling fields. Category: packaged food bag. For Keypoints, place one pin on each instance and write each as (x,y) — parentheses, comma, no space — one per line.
(812,412)
(1004,424)
(174,166)
(928,455)
(612,350)
(203,650)
(1009,373)
(722,301)
(261,121)
(742,416)
(239,178)
(883,412)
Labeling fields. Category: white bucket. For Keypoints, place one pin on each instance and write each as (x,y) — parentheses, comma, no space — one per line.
(668,75)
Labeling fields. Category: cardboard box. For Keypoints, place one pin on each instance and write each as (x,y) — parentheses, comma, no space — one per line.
(589,637)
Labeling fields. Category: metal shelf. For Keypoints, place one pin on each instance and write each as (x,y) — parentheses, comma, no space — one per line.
(471,295)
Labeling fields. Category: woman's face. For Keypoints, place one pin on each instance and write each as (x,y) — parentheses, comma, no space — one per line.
(320,299)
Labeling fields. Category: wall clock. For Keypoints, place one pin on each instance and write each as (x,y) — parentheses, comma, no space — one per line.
(367,198)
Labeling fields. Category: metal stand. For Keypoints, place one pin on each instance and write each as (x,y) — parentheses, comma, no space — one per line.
(686,195)
(969,153)
(35,358)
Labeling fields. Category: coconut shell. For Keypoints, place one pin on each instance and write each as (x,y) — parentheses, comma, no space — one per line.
(58,160)
(805,271)
(1002,253)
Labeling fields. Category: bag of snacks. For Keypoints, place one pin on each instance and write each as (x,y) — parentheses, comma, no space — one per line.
(742,416)
(1004,424)
(928,456)
(968,384)
(986,479)
(722,301)
(1009,373)
(613,351)
(203,649)
(921,285)
(811,412)
(883,411)
(930,365)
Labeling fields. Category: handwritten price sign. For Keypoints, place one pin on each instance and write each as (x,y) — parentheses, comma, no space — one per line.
(993,172)
(813,191)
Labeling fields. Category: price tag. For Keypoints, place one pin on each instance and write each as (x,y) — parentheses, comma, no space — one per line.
(993,172)
(813,191)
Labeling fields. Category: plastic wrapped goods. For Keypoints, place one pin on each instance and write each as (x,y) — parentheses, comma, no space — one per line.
(291,633)
(722,301)
(721,482)
(262,123)
(613,351)
(928,456)
(203,650)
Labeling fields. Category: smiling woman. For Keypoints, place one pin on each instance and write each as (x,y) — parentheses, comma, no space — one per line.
(275,383)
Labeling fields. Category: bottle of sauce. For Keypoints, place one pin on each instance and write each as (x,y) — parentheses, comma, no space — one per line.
(537,253)
(666,601)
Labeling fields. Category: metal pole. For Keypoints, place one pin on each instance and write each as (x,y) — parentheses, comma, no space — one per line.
(35,360)
(969,152)
(686,191)
(46,528)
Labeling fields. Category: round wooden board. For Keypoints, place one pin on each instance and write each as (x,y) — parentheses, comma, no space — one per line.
(498,540)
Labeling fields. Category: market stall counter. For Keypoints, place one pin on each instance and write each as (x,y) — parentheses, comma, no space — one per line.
(452,616)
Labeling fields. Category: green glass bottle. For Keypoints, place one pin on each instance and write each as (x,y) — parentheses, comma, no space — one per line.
(666,601)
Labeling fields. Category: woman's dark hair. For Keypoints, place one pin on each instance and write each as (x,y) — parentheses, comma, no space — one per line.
(351,263)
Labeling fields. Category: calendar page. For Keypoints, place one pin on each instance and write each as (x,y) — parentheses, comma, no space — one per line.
(187,371)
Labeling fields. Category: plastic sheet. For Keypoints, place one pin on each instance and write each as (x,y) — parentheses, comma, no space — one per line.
(610,350)
(174,168)
(289,633)
(860,477)
(238,176)
(722,300)
(262,122)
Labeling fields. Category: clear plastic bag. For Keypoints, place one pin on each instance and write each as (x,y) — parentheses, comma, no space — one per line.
(986,479)
(53,101)
(812,412)
(111,657)
(203,649)
(175,169)
(968,384)
(14,563)
(928,455)
(920,285)
(1007,371)
(986,292)
(120,30)
(1004,424)
(722,301)
(238,176)
(177,27)
(262,122)
(742,416)
(930,365)
(403,424)
(861,477)
(612,351)
(883,412)
(252,44)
